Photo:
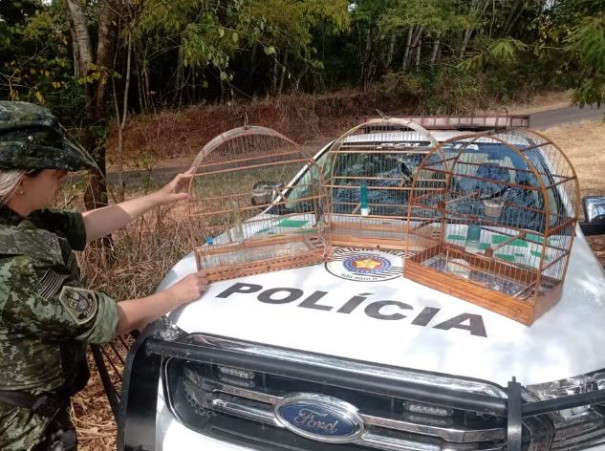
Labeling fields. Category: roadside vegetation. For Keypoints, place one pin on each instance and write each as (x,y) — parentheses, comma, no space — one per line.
(97,63)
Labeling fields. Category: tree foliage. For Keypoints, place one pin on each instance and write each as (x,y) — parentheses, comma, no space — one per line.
(586,45)
(36,55)
(178,52)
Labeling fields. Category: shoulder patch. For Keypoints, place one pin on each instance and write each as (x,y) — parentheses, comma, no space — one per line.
(81,304)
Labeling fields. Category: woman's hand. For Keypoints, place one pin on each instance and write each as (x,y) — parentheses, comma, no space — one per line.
(176,189)
(103,221)
(189,288)
(135,313)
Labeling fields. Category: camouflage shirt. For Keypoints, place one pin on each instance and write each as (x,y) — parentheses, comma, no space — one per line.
(46,316)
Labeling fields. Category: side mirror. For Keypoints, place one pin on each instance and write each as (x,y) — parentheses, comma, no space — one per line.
(594,215)
(263,193)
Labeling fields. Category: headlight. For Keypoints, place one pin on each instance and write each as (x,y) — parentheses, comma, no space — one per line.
(579,427)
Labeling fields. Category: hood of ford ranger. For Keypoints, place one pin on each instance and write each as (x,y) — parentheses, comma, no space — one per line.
(359,306)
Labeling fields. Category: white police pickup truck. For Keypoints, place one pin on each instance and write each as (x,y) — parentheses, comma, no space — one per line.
(338,356)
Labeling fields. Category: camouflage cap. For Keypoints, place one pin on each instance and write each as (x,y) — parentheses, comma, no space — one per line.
(31,138)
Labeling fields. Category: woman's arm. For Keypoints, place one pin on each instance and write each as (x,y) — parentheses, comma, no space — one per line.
(103,221)
(136,313)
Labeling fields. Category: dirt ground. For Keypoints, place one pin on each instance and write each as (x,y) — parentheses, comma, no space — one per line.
(173,138)
(541,102)
(180,136)
(584,144)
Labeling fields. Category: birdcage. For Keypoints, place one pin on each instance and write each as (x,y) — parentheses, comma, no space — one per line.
(496,213)
(244,215)
(368,173)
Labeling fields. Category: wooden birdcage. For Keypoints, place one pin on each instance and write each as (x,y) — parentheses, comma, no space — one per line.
(369,173)
(496,213)
(244,216)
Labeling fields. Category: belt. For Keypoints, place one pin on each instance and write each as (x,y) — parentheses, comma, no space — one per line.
(45,404)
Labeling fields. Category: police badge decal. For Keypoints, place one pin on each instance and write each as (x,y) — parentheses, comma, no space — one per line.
(81,304)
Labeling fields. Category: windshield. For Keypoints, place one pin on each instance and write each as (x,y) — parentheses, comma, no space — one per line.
(385,174)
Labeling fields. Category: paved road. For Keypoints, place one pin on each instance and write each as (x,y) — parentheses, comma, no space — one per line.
(550,118)
(539,121)
(138,177)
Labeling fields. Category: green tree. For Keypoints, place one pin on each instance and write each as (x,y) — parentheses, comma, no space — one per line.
(578,29)
(36,56)
(202,36)
(285,31)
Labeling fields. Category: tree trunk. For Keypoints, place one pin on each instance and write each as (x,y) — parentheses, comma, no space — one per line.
(408,45)
(418,52)
(391,51)
(79,31)
(465,40)
(139,80)
(148,98)
(283,74)
(435,54)
(96,193)
(253,61)
(300,77)
(415,44)
(365,63)
(96,90)
(275,73)
(193,98)
(493,21)
(75,50)
(106,47)
(121,118)
(513,19)
(477,11)
(180,77)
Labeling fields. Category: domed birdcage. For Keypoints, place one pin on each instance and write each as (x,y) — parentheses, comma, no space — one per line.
(496,215)
(368,173)
(244,216)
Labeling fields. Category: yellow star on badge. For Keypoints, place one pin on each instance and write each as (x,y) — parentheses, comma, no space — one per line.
(368,263)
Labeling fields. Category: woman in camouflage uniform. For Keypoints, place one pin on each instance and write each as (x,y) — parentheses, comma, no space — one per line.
(47,317)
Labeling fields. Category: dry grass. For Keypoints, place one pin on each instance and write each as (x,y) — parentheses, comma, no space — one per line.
(541,102)
(174,138)
(584,144)
(97,429)
(141,255)
(145,251)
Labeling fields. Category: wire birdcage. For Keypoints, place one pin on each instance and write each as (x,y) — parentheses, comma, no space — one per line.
(244,216)
(496,215)
(369,173)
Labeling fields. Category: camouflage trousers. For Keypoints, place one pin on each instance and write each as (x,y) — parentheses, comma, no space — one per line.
(22,430)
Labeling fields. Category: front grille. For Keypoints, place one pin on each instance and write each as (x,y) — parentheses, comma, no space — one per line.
(242,410)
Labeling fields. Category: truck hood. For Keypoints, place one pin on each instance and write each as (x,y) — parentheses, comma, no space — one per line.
(370,312)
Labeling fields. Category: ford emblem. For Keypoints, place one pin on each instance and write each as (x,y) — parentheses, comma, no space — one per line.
(321,418)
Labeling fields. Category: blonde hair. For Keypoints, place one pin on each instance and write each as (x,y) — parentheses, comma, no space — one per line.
(9,182)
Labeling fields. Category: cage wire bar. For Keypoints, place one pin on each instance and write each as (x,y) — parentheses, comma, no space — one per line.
(369,173)
(496,215)
(243,217)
